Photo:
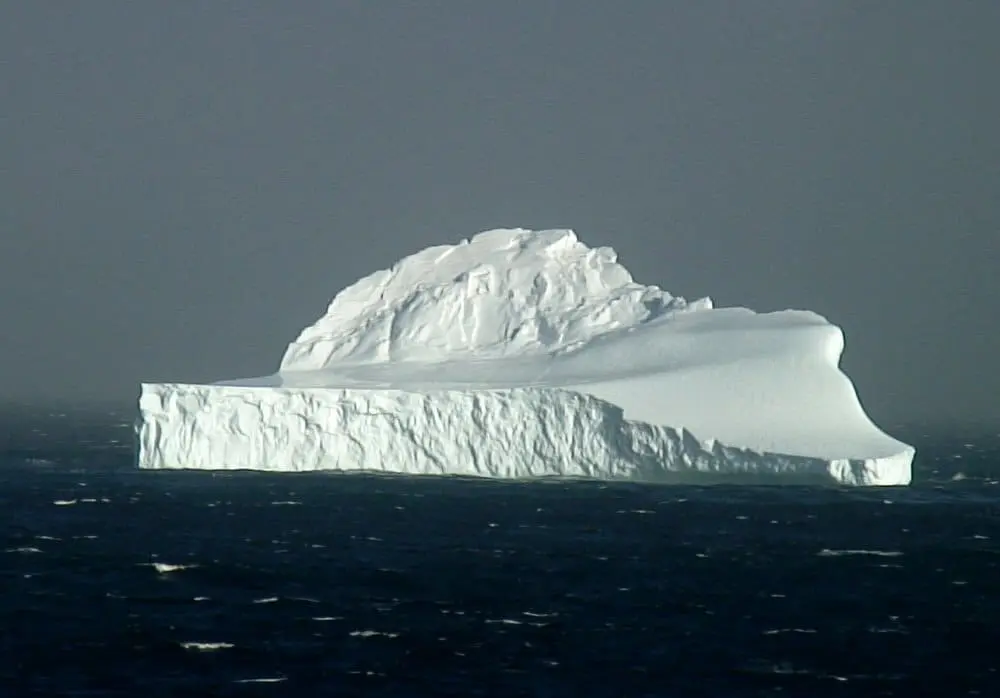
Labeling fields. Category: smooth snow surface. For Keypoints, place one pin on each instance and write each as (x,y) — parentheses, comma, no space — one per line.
(526,353)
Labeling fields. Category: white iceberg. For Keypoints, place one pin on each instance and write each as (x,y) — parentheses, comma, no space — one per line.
(521,354)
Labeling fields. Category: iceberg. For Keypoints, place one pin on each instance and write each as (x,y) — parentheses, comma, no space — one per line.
(524,354)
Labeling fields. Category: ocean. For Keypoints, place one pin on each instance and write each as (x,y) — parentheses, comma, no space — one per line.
(124,583)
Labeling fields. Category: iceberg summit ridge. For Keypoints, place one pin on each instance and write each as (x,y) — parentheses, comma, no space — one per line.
(502,293)
(520,354)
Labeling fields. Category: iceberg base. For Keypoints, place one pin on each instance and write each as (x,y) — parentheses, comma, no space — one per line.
(515,433)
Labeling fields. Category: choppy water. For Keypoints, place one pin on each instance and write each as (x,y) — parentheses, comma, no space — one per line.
(123,583)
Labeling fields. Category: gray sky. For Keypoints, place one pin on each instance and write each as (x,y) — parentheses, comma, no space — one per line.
(184,186)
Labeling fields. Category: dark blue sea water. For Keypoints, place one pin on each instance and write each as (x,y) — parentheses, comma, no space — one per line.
(347,585)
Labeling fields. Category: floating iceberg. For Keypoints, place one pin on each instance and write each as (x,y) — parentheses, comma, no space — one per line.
(522,354)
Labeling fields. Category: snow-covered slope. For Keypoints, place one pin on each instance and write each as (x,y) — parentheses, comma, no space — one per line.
(525,353)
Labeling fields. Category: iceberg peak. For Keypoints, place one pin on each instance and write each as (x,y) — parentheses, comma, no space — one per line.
(502,293)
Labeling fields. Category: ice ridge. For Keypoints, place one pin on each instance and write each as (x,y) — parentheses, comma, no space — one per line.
(502,293)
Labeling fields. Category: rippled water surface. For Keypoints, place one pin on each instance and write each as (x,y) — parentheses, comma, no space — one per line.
(123,583)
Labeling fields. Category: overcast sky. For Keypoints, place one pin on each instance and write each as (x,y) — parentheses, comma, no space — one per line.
(185,185)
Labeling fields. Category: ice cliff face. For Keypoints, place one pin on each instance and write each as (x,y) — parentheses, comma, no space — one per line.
(519,433)
(526,353)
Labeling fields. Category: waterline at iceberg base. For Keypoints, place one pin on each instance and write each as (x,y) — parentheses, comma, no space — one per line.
(526,354)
